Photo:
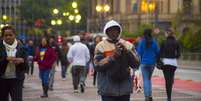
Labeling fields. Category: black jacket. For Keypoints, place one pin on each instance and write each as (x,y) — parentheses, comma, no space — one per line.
(170,48)
(20,68)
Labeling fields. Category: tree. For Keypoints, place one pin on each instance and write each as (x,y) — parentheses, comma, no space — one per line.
(34,9)
(31,10)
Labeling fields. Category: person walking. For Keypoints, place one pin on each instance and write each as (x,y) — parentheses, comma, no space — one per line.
(31,53)
(13,65)
(113,57)
(148,51)
(54,45)
(169,53)
(45,57)
(64,60)
(97,39)
(78,55)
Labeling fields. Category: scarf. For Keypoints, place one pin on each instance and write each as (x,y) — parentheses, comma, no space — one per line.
(10,49)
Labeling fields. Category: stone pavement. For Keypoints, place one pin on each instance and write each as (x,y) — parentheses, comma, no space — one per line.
(63,91)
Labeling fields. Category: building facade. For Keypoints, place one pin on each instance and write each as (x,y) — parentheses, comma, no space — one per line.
(9,9)
(132,13)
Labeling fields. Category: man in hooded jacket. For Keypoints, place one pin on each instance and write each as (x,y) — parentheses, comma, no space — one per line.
(112,59)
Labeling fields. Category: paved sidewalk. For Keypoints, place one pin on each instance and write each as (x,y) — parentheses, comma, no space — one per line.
(63,91)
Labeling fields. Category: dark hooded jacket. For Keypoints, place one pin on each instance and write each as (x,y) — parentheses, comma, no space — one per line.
(105,65)
(20,68)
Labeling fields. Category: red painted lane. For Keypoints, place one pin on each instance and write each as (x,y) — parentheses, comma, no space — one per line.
(179,84)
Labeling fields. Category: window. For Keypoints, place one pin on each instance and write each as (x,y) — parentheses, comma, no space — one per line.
(187,7)
(200,6)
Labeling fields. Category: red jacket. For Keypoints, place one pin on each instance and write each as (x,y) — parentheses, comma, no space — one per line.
(49,58)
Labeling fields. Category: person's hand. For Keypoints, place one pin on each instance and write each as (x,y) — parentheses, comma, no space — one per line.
(119,48)
(116,54)
(18,60)
(10,58)
(30,57)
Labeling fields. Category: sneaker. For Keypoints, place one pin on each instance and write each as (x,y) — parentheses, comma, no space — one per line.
(82,88)
(44,96)
(76,91)
(63,79)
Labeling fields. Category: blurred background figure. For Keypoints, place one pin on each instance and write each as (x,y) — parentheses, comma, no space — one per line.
(53,44)
(169,53)
(148,51)
(79,56)
(97,39)
(64,60)
(31,53)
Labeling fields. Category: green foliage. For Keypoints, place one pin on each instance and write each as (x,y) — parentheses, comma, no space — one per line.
(34,9)
(191,39)
(42,9)
(143,27)
(127,34)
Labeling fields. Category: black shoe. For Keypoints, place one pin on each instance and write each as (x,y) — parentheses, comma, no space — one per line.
(44,96)
(82,88)
(51,89)
(148,99)
(45,92)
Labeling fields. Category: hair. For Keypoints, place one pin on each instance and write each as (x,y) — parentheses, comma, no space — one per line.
(98,36)
(148,37)
(171,32)
(46,40)
(7,28)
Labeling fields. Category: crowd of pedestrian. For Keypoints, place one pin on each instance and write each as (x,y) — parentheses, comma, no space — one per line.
(112,60)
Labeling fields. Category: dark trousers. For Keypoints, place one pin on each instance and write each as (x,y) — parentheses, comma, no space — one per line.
(31,67)
(94,79)
(12,87)
(168,73)
(116,98)
(77,76)
(63,70)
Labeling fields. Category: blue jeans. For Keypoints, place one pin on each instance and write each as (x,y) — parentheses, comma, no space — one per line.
(44,76)
(147,71)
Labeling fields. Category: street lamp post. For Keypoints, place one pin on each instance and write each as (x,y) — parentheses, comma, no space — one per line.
(102,10)
(4,18)
(56,21)
(148,8)
(72,17)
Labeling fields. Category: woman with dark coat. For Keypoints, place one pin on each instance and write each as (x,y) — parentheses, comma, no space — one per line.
(169,53)
(45,57)
(12,65)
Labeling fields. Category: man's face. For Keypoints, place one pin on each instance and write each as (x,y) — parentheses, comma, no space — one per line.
(9,36)
(113,32)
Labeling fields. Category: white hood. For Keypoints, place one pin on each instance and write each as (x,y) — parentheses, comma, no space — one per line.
(110,24)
